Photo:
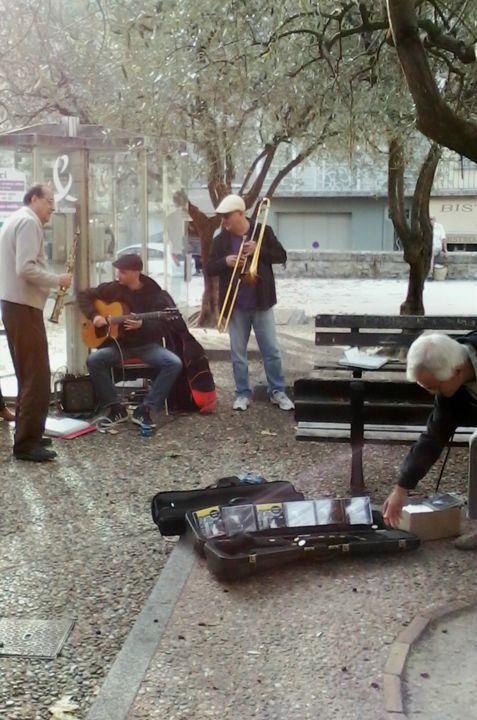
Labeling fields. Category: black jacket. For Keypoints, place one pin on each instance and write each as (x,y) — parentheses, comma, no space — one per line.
(270,252)
(175,333)
(149,298)
(448,414)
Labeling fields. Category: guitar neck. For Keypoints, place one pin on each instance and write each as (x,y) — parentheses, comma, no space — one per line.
(119,319)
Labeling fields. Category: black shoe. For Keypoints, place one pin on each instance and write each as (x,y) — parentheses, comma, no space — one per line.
(38,454)
(142,416)
(113,415)
(46,442)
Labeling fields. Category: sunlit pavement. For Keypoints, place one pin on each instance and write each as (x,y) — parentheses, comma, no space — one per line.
(312,296)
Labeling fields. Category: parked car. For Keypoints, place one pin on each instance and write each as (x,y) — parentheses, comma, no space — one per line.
(155,259)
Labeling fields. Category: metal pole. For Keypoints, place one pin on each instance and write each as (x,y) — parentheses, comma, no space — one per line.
(143,205)
(76,352)
(472,483)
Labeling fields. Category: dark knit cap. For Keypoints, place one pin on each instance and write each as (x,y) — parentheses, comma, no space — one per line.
(131,261)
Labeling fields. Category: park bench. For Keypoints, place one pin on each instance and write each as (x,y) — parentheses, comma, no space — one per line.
(385,408)
(388,332)
(362,411)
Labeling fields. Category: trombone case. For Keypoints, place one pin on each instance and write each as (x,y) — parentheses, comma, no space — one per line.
(243,555)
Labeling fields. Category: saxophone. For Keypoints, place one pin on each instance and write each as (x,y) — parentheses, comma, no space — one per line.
(60,297)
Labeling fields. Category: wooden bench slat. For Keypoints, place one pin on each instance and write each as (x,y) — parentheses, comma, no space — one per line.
(392,366)
(399,434)
(398,322)
(366,339)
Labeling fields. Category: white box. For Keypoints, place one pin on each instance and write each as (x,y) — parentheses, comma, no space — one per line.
(432,518)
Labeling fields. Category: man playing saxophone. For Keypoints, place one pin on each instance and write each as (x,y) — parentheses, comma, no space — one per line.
(25,282)
(253,304)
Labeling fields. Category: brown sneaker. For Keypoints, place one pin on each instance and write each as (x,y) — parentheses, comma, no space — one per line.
(466,542)
(6,415)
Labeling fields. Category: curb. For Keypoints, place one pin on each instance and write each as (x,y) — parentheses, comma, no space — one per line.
(393,677)
(122,683)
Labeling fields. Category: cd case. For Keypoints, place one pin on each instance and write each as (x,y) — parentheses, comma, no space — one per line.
(210,522)
(300,513)
(232,519)
(442,501)
(270,516)
(239,518)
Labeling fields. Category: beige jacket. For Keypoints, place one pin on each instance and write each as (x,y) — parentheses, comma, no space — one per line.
(24,274)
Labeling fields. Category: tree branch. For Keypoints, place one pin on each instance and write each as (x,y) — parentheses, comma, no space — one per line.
(435,118)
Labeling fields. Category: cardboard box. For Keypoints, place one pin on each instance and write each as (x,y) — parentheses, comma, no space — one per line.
(432,518)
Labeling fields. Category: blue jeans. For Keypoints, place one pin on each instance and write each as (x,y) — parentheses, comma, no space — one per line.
(100,364)
(263,324)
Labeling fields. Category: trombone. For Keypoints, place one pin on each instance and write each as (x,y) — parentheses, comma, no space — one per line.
(245,268)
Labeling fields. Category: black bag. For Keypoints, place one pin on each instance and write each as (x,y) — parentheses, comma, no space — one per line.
(239,556)
(169,508)
(75,394)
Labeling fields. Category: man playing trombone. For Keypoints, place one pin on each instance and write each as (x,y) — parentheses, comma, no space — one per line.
(247,297)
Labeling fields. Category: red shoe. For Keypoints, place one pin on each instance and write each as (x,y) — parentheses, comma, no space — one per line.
(6,415)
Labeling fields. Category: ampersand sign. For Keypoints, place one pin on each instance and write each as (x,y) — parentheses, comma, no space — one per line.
(62,191)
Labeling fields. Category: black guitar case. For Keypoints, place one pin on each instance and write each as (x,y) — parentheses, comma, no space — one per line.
(169,508)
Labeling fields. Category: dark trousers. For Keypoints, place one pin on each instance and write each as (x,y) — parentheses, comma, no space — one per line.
(28,345)
(2,401)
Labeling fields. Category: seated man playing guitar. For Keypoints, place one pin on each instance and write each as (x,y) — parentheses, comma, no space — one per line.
(140,335)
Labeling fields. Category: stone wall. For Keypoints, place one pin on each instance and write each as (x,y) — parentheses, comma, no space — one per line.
(462,265)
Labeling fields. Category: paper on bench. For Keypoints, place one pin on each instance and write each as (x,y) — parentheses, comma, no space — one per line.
(356,358)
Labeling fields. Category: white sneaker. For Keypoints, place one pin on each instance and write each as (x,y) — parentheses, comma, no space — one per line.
(241,402)
(282,400)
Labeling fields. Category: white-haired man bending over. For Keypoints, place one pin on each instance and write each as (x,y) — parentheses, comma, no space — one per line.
(447,368)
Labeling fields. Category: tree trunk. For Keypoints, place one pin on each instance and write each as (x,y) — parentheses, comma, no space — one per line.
(416,235)
(205,228)
(413,304)
(434,118)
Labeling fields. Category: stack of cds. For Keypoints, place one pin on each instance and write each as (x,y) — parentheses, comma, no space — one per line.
(229,520)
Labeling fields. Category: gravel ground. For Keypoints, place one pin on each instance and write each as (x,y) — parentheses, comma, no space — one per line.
(77,536)
(77,539)
(309,641)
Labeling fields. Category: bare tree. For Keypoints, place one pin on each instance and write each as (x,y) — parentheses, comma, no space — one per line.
(415,233)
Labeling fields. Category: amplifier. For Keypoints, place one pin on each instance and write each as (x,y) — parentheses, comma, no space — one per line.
(75,394)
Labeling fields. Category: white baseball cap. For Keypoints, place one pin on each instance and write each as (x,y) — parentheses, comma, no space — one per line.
(230,203)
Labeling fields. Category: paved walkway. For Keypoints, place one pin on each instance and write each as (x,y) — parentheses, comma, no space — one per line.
(439,682)
(310,641)
(306,642)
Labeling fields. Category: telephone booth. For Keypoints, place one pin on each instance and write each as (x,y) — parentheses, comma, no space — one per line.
(115,192)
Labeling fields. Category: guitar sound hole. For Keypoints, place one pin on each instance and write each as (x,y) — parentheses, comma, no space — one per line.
(101,332)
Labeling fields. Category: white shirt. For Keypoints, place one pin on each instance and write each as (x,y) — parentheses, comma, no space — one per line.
(438,235)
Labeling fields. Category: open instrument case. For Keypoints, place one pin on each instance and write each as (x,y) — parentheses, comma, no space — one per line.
(233,552)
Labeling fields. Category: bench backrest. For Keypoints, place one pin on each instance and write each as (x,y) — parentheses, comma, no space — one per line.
(385,403)
(391,330)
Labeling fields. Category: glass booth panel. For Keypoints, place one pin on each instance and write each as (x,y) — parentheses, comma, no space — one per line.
(167,226)
(20,159)
(116,201)
(102,217)
(63,170)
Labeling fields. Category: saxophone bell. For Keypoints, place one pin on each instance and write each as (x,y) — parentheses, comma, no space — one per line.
(58,306)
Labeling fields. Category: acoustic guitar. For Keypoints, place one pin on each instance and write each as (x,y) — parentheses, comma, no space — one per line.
(116,313)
